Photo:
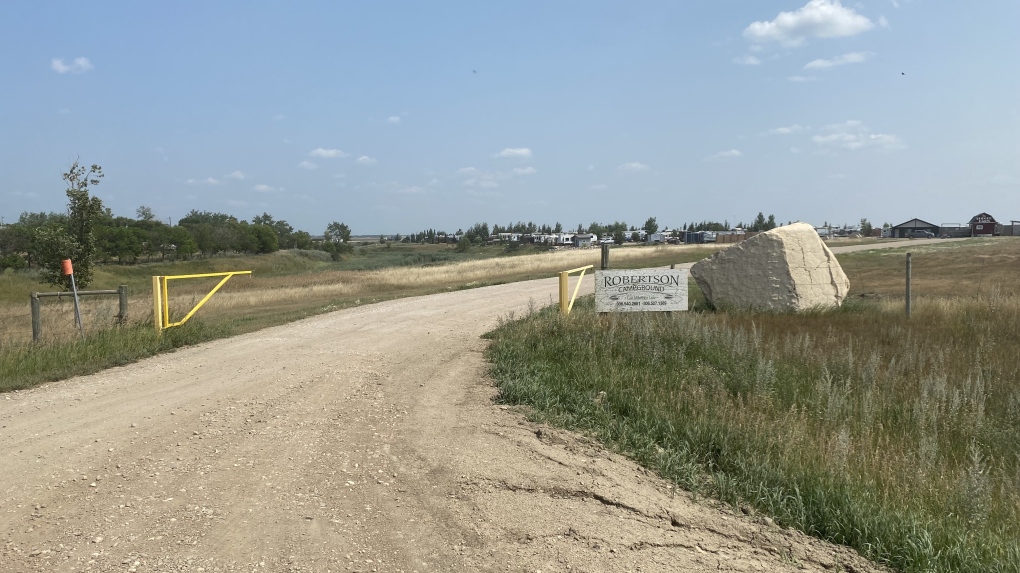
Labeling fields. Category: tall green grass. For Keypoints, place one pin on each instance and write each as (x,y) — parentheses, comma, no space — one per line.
(24,366)
(900,438)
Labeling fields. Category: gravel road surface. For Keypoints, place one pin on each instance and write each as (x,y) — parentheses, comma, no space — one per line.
(361,440)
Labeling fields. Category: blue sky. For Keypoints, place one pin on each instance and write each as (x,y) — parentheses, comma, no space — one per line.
(399,116)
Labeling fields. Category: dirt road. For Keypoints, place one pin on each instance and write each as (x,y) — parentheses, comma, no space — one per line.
(361,440)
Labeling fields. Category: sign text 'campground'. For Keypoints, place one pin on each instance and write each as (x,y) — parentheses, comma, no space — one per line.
(640,290)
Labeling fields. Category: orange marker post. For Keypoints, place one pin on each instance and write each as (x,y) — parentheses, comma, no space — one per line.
(68,270)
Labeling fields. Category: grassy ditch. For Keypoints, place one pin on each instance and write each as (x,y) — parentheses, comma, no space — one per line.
(896,437)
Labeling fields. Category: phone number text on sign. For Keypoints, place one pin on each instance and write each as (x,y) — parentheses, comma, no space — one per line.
(641,290)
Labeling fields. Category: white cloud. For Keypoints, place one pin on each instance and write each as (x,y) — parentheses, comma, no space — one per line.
(206,181)
(413,190)
(747,60)
(64,111)
(237,175)
(728,154)
(632,167)
(327,153)
(816,19)
(307,165)
(525,170)
(479,182)
(598,186)
(796,150)
(78,66)
(591,168)
(393,119)
(434,182)
(801,78)
(854,135)
(795,128)
(823,64)
(477,193)
(278,117)
(263,188)
(883,22)
(366,160)
(467,171)
(522,152)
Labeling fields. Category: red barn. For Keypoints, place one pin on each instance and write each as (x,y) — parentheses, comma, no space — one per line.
(982,224)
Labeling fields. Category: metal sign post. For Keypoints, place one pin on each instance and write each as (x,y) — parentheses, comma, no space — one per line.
(68,270)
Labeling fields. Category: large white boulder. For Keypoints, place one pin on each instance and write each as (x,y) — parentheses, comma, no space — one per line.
(786,269)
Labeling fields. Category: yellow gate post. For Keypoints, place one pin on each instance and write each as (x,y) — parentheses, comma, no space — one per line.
(161,296)
(565,304)
(157,302)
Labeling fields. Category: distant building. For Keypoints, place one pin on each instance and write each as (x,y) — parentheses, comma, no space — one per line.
(583,240)
(982,225)
(907,228)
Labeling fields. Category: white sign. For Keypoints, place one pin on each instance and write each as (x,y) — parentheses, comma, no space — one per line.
(641,290)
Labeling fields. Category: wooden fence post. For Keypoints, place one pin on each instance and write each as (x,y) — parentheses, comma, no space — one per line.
(36,318)
(122,295)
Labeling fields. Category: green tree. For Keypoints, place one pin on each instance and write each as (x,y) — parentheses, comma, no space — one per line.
(183,244)
(263,238)
(759,223)
(338,232)
(144,213)
(302,240)
(618,237)
(651,226)
(866,227)
(77,240)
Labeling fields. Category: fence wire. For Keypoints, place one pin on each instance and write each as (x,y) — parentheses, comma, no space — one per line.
(57,319)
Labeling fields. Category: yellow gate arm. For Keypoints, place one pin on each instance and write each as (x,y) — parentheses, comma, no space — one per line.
(565,304)
(161,296)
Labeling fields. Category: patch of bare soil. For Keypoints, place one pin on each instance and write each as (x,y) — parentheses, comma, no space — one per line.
(363,440)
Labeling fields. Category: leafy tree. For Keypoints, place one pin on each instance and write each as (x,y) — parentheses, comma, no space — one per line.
(759,222)
(338,231)
(263,238)
(651,226)
(302,240)
(36,220)
(197,217)
(635,236)
(77,240)
(17,246)
(123,243)
(182,243)
(144,213)
(618,237)
(463,245)
(866,227)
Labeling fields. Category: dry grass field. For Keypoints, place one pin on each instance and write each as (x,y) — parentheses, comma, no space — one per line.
(281,288)
(897,436)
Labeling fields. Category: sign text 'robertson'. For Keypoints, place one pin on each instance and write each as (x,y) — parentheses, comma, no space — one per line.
(641,290)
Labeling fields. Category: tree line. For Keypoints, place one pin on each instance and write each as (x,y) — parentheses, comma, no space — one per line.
(88,233)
